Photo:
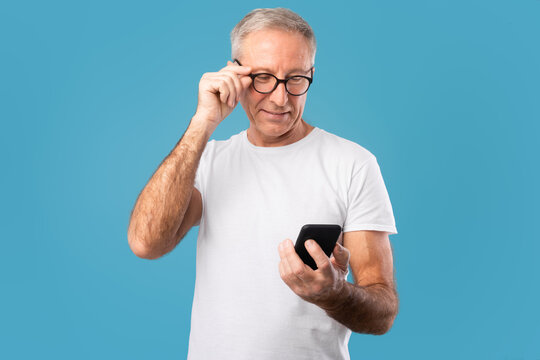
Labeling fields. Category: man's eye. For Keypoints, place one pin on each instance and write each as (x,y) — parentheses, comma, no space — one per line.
(296,80)
(264,77)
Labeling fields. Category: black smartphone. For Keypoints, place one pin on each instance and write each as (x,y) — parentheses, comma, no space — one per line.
(326,235)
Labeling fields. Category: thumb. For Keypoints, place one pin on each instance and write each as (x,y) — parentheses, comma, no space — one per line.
(341,254)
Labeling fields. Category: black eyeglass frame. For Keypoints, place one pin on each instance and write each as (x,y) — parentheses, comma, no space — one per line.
(279,81)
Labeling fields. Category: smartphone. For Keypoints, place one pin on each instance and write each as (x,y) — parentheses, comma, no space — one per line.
(326,235)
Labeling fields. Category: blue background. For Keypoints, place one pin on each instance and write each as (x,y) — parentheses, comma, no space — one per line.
(95,94)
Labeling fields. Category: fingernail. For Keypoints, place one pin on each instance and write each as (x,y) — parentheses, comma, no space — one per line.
(309,243)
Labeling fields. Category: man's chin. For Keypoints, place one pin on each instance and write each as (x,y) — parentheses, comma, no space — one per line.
(273,129)
(272,126)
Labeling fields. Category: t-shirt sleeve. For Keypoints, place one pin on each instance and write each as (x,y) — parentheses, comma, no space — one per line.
(200,174)
(369,206)
(198,177)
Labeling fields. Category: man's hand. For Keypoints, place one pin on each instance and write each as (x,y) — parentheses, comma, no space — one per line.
(219,92)
(322,286)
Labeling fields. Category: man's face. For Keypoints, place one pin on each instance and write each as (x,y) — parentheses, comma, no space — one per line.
(282,54)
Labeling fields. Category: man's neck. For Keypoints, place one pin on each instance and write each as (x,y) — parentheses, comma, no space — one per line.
(259,139)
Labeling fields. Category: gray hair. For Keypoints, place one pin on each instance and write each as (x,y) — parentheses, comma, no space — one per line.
(278,18)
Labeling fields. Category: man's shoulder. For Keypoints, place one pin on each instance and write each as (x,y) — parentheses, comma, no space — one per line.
(220,146)
(340,146)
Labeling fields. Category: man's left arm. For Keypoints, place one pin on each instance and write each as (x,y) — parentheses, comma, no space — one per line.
(368,306)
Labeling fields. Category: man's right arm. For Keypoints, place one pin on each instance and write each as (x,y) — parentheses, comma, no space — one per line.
(169,204)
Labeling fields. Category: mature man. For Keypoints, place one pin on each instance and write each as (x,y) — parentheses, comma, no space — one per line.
(254,298)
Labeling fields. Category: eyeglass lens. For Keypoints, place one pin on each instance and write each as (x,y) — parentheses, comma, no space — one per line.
(296,85)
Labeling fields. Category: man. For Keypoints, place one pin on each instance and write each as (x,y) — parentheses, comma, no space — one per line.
(254,298)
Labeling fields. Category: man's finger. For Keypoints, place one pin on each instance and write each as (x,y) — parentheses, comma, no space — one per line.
(341,254)
(297,266)
(246,81)
(317,253)
(224,91)
(282,272)
(281,250)
(242,70)
(284,263)
(231,100)
(239,88)
(340,258)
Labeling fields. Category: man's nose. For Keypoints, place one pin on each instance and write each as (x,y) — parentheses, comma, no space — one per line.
(279,96)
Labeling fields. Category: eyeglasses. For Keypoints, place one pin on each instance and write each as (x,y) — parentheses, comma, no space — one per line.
(265,83)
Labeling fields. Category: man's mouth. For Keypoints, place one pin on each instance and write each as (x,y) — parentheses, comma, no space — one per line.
(276,113)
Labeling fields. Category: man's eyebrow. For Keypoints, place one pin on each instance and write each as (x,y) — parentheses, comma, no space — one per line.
(266,70)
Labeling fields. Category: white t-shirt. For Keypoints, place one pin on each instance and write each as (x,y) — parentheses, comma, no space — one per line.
(254,198)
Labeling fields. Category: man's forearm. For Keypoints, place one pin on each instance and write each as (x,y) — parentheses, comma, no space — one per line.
(364,309)
(162,204)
